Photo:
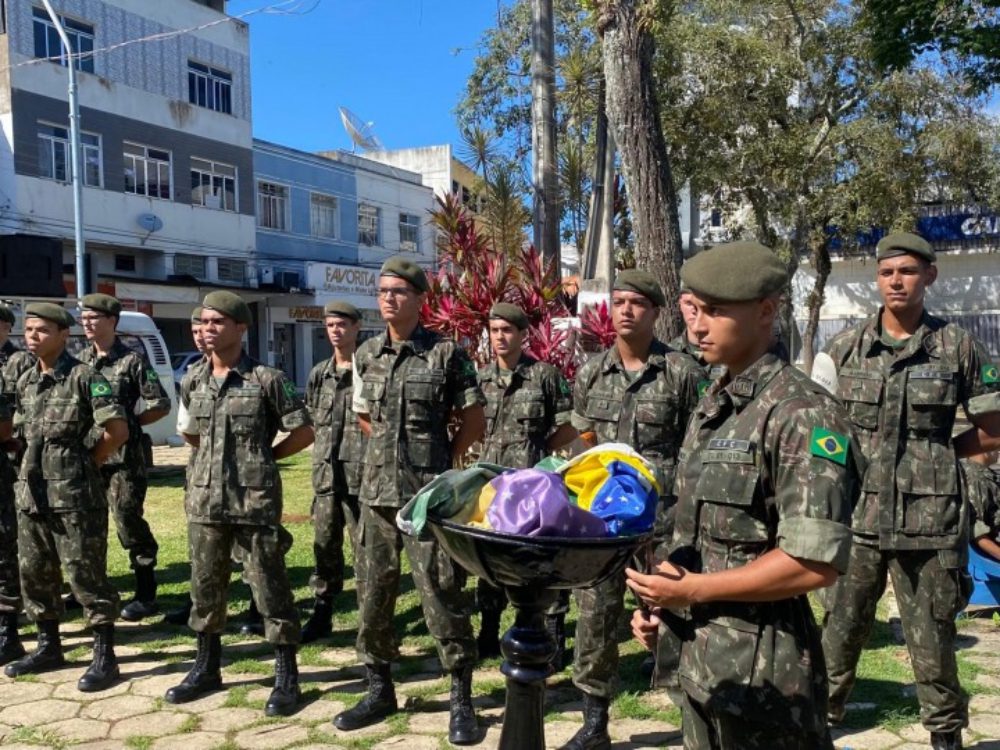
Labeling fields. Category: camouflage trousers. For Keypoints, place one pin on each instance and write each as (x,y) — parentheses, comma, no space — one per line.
(127,498)
(490,598)
(262,550)
(10,578)
(79,542)
(330,514)
(932,587)
(595,653)
(721,730)
(439,581)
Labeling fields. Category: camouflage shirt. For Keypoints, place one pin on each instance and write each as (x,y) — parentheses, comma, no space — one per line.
(58,411)
(14,363)
(648,411)
(902,402)
(234,477)
(524,408)
(339,445)
(409,389)
(709,372)
(767,463)
(132,378)
(982,488)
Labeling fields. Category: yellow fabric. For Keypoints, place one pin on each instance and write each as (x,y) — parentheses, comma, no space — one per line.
(474,514)
(586,477)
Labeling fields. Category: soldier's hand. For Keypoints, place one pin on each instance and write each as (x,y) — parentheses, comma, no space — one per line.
(667,586)
(645,628)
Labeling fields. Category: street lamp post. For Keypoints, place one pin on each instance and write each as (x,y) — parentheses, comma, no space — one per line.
(76,155)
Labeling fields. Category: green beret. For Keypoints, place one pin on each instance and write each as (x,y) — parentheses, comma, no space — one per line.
(341,310)
(641,282)
(7,315)
(51,312)
(511,313)
(102,303)
(406,269)
(902,243)
(735,272)
(229,304)
(196,315)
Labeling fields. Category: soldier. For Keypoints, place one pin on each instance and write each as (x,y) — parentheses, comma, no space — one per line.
(62,511)
(233,496)
(409,383)
(902,375)
(638,392)
(528,406)
(132,379)
(13,363)
(765,483)
(982,487)
(336,465)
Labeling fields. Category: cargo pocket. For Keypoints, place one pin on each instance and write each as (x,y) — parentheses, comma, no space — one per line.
(655,426)
(952,589)
(725,492)
(61,419)
(931,398)
(424,395)
(246,416)
(861,393)
(720,662)
(373,394)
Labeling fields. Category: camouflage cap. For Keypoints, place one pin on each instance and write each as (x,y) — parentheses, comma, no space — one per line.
(511,313)
(735,272)
(903,243)
(196,315)
(406,269)
(102,303)
(52,312)
(341,310)
(229,304)
(640,282)
(7,315)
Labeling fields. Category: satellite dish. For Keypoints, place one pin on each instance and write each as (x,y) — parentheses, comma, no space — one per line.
(150,222)
(361,133)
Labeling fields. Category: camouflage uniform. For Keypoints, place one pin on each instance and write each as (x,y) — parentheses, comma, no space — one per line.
(132,378)
(336,473)
(910,521)
(233,495)
(409,389)
(648,412)
(13,363)
(766,464)
(524,408)
(62,511)
(982,488)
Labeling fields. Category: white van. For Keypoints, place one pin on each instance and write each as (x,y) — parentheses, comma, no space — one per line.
(137,331)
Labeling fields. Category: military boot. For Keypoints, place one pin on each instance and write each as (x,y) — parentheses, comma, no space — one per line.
(379,703)
(947,740)
(47,655)
(286,694)
(488,640)
(143,604)
(179,616)
(253,623)
(556,627)
(320,622)
(204,676)
(462,726)
(593,735)
(103,670)
(10,641)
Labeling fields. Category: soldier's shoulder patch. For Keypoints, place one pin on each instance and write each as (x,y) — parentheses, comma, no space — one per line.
(991,373)
(289,388)
(100,388)
(703,386)
(828,444)
(564,388)
(152,375)
(469,368)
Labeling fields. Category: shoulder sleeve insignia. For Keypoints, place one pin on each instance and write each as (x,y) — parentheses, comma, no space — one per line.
(703,386)
(289,388)
(151,374)
(991,374)
(100,388)
(828,444)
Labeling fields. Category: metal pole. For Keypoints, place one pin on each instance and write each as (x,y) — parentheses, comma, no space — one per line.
(76,156)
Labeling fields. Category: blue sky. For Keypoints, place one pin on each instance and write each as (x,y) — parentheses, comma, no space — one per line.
(393,62)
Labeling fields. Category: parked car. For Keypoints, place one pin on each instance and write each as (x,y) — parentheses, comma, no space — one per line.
(180,363)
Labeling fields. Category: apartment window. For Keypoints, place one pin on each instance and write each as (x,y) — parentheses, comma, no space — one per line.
(190,265)
(232,271)
(53,155)
(213,184)
(272,206)
(147,171)
(210,87)
(48,45)
(409,233)
(368,224)
(125,263)
(323,215)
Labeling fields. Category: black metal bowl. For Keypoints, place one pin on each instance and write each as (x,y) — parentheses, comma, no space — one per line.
(536,562)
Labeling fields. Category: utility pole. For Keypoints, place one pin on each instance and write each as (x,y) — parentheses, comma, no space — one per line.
(76,155)
(544,174)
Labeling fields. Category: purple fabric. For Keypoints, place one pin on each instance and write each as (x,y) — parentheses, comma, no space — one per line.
(531,502)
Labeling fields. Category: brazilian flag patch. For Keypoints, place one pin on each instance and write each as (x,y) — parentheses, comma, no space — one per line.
(151,374)
(564,387)
(991,374)
(289,388)
(828,444)
(703,386)
(100,389)
(469,368)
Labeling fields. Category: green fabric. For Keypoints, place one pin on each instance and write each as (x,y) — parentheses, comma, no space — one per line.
(640,282)
(903,243)
(511,313)
(406,269)
(102,303)
(735,272)
(551,463)
(445,496)
(341,309)
(229,304)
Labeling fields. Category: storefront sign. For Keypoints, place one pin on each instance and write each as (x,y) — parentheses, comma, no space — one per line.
(339,280)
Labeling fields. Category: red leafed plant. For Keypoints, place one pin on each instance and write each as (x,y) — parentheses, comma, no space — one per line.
(596,330)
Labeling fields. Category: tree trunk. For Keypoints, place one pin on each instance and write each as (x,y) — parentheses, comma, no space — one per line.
(545,217)
(634,117)
(595,221)
(821,262)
